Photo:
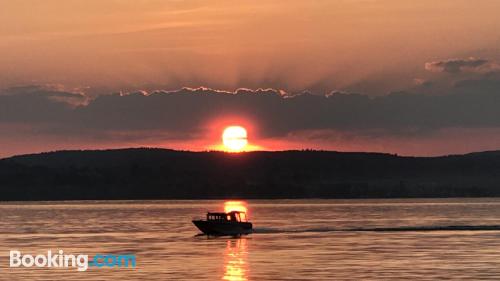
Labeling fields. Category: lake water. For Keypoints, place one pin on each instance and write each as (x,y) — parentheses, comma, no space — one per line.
(294,240)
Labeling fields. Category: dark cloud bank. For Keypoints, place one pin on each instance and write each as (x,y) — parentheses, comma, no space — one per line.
(183,113)
(454,66)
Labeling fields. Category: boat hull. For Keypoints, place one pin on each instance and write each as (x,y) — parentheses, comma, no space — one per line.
(223,227)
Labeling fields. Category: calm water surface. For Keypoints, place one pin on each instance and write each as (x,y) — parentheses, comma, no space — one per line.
(294,240)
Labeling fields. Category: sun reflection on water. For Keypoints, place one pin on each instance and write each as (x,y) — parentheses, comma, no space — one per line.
(239,206)
(235,260)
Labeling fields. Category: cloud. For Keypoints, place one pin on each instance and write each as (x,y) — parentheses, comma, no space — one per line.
(37,118)
(53,92)
(187,112)
(454,66)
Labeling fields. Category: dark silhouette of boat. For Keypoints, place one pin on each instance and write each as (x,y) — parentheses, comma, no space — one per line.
(231,223)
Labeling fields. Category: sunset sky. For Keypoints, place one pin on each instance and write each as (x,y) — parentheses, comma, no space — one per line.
(397,76)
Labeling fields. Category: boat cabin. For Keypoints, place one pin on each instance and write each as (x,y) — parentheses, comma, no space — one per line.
(233,216)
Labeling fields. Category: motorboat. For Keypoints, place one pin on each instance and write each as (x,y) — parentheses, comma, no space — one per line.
(230,223)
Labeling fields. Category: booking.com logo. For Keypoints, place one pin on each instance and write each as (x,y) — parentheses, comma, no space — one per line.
(62,260)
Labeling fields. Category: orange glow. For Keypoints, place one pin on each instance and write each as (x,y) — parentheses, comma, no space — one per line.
(215,133)
(235,138)
(239,206)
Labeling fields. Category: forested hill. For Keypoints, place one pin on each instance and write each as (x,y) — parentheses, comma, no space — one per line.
(145,173)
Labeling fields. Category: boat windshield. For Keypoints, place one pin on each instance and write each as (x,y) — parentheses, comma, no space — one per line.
(243,217)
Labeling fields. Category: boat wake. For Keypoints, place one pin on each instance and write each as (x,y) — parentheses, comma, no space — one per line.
(384,229)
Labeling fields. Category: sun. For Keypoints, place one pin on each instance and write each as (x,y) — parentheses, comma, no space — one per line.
(234,138)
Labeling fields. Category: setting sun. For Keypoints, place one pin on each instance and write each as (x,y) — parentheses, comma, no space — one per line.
(235,138)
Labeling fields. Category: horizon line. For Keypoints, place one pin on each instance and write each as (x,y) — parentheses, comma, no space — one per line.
(240,152)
